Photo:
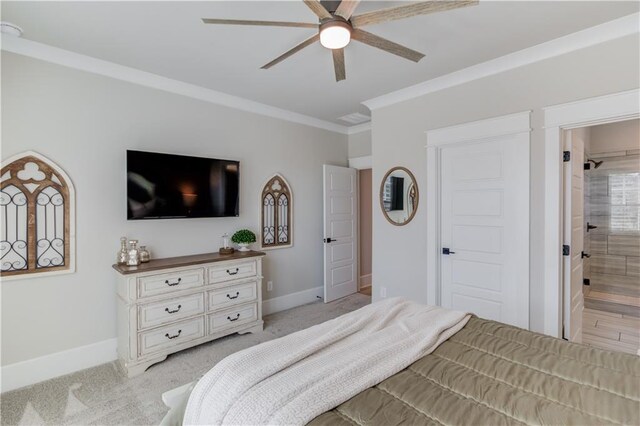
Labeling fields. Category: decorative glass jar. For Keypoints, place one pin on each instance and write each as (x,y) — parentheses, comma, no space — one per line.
(123,253)
(133,258)
(144,254)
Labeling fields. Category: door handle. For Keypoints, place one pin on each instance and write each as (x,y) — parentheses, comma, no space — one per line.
(587,255)
(590,227)
(447,251)
(329,240)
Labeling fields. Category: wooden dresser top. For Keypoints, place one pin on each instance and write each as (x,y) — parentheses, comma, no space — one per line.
(176,262)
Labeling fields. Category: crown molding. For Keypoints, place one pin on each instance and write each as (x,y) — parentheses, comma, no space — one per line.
(607,31)
(93,65)
(359,128)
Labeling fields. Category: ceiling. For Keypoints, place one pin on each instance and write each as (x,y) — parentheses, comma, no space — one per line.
(168,39)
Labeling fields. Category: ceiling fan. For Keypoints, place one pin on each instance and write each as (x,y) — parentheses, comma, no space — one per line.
(338,26)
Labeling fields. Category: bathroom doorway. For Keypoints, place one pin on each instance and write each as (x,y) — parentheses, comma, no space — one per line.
(602,236)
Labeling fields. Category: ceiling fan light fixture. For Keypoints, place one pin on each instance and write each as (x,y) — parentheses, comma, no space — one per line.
(335,34)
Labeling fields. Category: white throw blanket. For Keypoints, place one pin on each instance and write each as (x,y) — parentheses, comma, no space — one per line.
(293,379)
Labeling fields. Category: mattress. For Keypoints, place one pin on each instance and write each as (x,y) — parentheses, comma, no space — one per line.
(491,374)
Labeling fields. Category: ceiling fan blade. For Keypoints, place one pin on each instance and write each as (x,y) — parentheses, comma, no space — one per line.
(338,64)
(346,8)
(262,23)
(387,45)
(290,52)
(407,11)
(318,9)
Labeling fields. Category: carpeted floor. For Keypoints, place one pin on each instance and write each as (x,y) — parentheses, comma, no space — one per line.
(104,396)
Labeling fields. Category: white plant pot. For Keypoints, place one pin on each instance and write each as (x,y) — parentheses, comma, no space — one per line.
(243,247)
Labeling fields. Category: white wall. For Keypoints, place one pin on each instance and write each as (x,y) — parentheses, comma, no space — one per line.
(398,135)
(84,123)
(360,144)
(615,137)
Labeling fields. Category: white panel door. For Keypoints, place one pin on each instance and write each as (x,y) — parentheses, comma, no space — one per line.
(484,211)
(340,238)
(573,300)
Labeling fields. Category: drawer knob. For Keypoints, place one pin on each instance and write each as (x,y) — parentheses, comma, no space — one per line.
(234,297)
(174,311)
(172,284)
(234,272)
(234,319)
(174,336)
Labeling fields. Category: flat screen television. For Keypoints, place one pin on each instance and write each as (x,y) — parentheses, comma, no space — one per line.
(167,186)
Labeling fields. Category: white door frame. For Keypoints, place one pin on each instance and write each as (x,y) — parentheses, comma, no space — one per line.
(473,131)
(558,118)
(360,163)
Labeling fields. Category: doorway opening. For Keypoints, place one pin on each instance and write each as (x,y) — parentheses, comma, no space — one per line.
(365,206)
(601,271)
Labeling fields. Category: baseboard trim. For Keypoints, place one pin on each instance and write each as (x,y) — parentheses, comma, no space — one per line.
(47,367)
(365,281)
(29,372)
(288,301)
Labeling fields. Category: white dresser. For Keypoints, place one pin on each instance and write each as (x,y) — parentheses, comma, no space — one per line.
(167,305)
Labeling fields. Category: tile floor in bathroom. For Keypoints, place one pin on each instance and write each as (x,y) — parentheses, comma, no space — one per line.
(613,331)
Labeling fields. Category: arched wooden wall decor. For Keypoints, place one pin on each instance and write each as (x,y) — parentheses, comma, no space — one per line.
(37,204)
(277,219)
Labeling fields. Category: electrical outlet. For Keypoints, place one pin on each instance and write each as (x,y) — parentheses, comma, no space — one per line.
(269,285)
(383,292)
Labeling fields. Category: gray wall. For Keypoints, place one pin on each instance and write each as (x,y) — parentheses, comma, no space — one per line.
(615,137)
(360,144)
(398,139)
(84,123)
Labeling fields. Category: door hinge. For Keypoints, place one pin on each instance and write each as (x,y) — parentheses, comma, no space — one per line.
(566,156)
(587,166)
(586,281)
(566,250)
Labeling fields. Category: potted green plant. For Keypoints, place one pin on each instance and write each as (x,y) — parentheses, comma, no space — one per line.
(243,238)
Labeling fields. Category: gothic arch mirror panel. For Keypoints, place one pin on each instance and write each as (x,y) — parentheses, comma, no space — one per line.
(36,201)
(13,203)
(276,224)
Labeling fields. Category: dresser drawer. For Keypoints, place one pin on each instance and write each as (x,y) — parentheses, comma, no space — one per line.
(232,295)
(220,274)
(166,283)
(232,317)
(153,314)
(170,335)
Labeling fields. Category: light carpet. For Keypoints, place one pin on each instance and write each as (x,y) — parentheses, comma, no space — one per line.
(104,396)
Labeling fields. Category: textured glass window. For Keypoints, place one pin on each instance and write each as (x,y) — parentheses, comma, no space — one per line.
(624,190)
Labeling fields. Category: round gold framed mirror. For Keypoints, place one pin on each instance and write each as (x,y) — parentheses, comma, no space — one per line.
(399,196)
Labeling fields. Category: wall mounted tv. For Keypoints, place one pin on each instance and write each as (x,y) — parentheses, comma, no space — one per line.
(166,186)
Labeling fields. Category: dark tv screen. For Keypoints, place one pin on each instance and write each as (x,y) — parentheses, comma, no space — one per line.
(166,186)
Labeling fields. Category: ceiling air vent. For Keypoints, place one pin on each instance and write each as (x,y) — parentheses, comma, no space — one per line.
(355,118)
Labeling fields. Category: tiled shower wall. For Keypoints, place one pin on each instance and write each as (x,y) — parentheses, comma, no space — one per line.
(612,203)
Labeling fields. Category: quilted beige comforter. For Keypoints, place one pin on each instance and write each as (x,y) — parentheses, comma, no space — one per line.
(492,374)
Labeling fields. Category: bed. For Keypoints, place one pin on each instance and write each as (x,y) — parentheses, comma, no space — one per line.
(489,373)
